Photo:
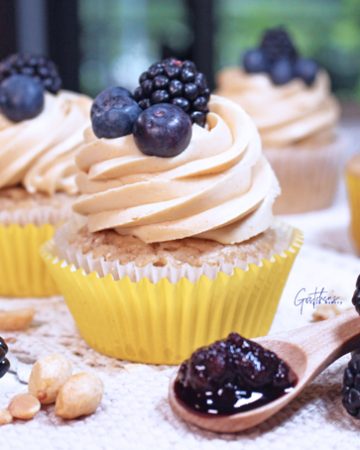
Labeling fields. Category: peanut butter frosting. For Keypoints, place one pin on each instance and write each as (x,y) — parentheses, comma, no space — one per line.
(39,153)
(286,114)
(219,188)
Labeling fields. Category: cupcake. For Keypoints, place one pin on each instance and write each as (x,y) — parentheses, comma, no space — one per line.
(176,245)
(41,128)
(353,188)
(289,99)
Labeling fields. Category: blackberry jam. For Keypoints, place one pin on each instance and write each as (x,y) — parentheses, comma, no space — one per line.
(231,376)
(4,363)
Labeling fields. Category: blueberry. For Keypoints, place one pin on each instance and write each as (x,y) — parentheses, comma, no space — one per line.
(162,130)
(282,72)
(254,61)
(306,69)
(21,98)
(113,113)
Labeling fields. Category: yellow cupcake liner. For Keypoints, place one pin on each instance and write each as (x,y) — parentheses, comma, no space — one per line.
(164,322)
(353,188)
(23,272)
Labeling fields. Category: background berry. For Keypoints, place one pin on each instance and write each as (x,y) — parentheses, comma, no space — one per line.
(21,97)
(38,67)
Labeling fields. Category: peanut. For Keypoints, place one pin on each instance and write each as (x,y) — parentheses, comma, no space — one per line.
(16,319)
(79,396)
(24,406)
(324,312)
(5,417)
(47,376)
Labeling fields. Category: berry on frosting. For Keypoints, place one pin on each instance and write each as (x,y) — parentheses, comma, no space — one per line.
(162,130)
(278,57)
(306,69)
(176,82)
(113,113)
(21,97)
(281,72)
(277,44)
(255,61)
(37,67)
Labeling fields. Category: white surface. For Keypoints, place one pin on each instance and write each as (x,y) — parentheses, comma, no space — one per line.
(135,413)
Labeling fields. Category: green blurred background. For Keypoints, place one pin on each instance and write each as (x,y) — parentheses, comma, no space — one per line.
(121,38)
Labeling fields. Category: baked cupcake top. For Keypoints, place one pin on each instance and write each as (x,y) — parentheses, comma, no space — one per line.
(41,126)
(287,96)
(166,178)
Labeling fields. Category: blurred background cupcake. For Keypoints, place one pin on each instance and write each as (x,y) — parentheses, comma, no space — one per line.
(353,188)
(290,100)
(179,246)
(41,128)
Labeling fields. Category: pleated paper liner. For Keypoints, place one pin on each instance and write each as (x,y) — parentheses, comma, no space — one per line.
(308,176)
(353,188)
(163,322)
(23,272)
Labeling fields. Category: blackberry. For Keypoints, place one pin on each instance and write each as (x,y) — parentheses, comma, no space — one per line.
(38,67)
(351,386)
(232,375)
(356,296)
(4,363)
(176,82)
(277,44)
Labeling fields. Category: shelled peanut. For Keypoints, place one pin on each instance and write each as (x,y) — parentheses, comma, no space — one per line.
(51,381)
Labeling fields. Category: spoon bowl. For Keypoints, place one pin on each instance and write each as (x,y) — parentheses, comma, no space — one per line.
(307,350)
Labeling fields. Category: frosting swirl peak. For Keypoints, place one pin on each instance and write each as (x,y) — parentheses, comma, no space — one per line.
(220,187)
(39,153)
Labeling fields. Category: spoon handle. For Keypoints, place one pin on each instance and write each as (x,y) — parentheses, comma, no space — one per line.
(325,341)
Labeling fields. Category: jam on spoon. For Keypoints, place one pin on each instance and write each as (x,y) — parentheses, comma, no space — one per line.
(231,376)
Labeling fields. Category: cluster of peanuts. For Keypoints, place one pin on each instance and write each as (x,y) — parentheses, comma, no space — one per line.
(51,381)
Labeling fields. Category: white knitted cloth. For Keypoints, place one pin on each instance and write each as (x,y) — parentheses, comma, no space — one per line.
(135,414)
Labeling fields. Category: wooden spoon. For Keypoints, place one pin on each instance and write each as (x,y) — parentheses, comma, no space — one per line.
(307,350)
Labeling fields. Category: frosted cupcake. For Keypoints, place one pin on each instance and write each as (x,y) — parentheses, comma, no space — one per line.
(289,99)
(41,128)
(178,246)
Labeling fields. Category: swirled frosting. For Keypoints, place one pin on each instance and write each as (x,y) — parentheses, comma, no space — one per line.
(39,153)
(286,114)
(220,188)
